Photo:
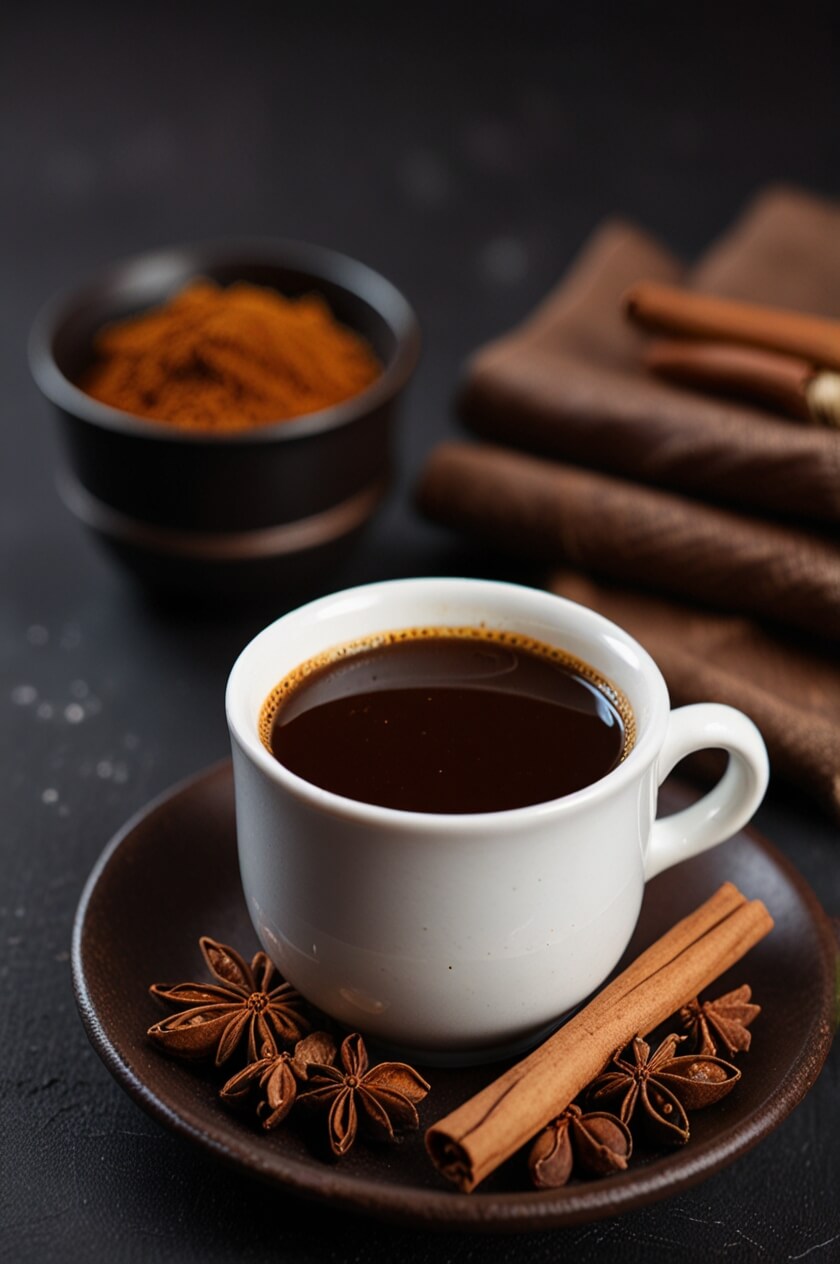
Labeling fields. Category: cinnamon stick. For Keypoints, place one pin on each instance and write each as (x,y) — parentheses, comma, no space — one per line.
(785,383)
(471,1142)
(670,310)
(726,368)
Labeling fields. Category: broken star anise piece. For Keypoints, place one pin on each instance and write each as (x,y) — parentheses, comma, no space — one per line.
(596,1143)
(276,1076)
(248,1002)
(725,1019)
(384,1095)
(664,1086)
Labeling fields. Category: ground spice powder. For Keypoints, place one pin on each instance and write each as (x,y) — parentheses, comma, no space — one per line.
(229,358)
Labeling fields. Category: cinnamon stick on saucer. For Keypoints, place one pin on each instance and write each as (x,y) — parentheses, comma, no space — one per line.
(473,1140)
(670,310)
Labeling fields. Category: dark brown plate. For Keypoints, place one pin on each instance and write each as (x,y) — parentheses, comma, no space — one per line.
(171,874)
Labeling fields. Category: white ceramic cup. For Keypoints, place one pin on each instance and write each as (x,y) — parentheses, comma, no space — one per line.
(459,937)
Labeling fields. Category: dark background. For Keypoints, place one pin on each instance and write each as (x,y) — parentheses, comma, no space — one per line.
(465,151)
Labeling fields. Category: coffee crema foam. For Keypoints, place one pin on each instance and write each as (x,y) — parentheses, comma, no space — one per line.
(513,640)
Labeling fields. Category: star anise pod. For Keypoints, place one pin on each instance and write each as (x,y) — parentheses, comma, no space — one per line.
(385,1095)
(664,1086)
(597,1143)
(246,1002)
(276,1077)
(725,1019)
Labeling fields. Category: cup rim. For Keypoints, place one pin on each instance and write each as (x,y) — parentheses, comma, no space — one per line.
(645,749)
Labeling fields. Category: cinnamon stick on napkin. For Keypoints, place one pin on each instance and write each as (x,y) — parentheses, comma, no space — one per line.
(570,382)
(782,383)
(785,359)
(668,309)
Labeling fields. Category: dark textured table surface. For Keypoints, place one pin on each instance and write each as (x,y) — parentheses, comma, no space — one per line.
(465,151)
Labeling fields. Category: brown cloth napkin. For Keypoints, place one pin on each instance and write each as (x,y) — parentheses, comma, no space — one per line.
(792,694)
(791,690)
(638,535)
(570,382)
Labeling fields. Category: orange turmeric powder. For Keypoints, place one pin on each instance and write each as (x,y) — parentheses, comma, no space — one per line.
(215,358)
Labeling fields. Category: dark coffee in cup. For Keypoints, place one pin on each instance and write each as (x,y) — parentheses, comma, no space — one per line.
(447,720)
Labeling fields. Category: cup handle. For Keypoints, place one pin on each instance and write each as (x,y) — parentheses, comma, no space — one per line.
(721,812)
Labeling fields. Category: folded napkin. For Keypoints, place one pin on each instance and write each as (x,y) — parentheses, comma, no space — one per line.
(785,384)
(792,693)
(570,382)
(555,513)
(715,520)
(637,535)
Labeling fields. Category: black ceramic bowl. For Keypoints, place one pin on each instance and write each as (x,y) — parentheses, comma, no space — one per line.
(251,512)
